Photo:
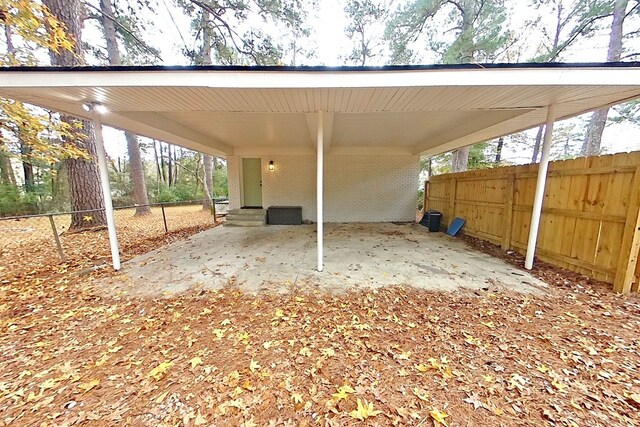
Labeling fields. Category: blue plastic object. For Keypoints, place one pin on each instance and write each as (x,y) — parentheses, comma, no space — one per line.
(456,225)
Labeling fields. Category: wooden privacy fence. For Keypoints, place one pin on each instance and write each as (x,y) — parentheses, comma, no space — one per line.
(590,218)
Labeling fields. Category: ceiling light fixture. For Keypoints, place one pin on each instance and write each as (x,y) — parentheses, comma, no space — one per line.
(95,106)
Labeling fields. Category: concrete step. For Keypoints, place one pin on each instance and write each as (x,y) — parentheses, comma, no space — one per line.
(233,217)
(243,223)
(248,212)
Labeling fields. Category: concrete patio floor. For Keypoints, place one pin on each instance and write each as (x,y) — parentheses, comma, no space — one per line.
(282,258)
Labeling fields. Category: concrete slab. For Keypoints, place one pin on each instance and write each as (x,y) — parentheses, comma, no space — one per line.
(281,258)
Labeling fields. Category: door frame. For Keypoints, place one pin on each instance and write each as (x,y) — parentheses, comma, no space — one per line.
(241,168)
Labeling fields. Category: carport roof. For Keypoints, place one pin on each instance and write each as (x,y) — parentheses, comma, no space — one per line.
(368,110)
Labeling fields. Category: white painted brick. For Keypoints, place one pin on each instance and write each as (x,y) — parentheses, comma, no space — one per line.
(233,181)
(357,188)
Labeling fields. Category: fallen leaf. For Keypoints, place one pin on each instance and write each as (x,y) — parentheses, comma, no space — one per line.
(475,401)
(195,362)
(439,416)
(159,371)
(363,411)
(85,387)
(254,366)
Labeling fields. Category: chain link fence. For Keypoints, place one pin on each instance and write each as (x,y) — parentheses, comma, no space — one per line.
(31,238)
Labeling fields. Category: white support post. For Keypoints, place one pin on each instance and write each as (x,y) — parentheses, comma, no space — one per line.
(536,213)
(106,192)
(320,188)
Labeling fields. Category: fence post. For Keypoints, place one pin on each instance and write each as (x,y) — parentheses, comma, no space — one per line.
(625,272)
(452,199)
(425,197)
(57,238)
(508,211)
(164,218)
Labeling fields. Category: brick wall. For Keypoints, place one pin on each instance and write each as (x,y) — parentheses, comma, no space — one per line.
(233,181)
(357,188)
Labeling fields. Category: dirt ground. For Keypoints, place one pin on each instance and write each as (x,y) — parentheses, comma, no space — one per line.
(390,356)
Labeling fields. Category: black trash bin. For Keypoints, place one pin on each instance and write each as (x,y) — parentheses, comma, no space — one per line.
(431,219)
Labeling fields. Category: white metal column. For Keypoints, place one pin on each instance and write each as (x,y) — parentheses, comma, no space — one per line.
(320,187)
(106,192)
(540,185)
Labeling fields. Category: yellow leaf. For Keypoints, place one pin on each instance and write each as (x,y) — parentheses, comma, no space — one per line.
(364,411)
(304,351)
(87,218)
(253,366)
(200,419)
(159,371)
(88,385)
(195,362)
(160,398)
(422,367)
(421,394)
(635,397)
(558,385)
(439,416)
(543,369)
(328,352)
(279,313)
(267,345)
(296,397)
(225,322)
(219,333)
(343,393)
(404,355)
(489,325)
(103,359)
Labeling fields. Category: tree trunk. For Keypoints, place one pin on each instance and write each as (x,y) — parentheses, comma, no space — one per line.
(84,179)
(6,170)
(27,168)
(133,147)
(460,160)
(169,165)
(155,154)
(206,38)
(593,136)
(136,170)
(499,150)
(536,145)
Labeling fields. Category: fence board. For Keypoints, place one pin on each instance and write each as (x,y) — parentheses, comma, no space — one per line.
(590,205)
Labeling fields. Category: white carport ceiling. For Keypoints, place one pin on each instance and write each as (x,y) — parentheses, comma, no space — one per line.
(397,110)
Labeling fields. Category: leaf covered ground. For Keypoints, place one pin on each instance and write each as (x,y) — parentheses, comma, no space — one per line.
(76,355)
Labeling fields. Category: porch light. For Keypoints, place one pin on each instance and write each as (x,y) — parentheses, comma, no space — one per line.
(271,166)
(94,106)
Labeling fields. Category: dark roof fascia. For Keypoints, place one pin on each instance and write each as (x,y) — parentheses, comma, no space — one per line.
(159,68)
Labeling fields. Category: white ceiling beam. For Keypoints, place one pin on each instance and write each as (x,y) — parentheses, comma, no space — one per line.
(312,125)
(158,122)
(492,118)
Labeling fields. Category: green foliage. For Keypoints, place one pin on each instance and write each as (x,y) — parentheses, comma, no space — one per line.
(15,202)
(477,26)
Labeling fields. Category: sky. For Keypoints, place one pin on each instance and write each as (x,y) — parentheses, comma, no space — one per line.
(171,31)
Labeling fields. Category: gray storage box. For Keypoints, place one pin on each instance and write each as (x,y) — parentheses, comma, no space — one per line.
(284,215)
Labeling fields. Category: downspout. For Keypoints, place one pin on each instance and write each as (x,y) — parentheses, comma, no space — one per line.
(536,213)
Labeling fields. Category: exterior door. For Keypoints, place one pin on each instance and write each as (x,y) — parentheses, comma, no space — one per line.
(252,183)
